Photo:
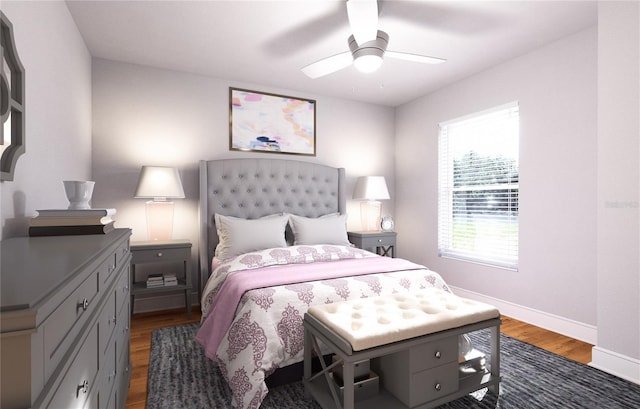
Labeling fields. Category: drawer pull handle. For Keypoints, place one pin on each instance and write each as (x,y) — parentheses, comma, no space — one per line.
(112,320)
(84,304)
(83,387)
(438,387)
(379,240)
(112,376)
(438,355)
(112,267)
(160,254)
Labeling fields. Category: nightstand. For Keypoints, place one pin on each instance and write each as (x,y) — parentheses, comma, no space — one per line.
(162,252)
(384,242)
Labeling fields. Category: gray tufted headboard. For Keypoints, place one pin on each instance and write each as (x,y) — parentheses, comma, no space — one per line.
(252,188)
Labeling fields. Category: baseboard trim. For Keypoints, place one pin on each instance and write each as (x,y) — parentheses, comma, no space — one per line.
(574,329)
(616,364)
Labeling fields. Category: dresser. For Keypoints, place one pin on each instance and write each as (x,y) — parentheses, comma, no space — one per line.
(64,321)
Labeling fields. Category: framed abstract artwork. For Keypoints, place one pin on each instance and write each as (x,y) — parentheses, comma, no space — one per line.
(264,122)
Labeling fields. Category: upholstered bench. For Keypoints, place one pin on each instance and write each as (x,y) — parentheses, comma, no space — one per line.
(411,340)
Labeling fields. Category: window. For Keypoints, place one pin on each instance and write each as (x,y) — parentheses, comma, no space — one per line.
(478,187)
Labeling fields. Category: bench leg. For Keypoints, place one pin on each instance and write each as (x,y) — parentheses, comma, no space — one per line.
(307,359)
(347,373)
(495,357)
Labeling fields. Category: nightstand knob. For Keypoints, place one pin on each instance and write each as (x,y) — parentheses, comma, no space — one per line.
(160,254)
(379,240)
(438,387)
(438,355)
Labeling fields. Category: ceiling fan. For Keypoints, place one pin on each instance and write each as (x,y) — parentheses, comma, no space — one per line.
(367,44)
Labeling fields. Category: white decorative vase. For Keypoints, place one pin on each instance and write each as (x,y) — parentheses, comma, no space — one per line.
(79,193)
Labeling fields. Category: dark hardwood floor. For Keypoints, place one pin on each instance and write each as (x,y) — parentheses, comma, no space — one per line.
(143,324)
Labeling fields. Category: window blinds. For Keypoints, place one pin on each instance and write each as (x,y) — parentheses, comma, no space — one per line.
(478,187)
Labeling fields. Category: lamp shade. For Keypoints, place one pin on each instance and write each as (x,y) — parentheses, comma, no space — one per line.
(159,182)
(371,188)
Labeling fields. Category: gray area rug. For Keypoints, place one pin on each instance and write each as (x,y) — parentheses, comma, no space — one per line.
(180,376)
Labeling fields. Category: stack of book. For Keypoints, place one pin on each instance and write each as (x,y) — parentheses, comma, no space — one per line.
(63,222)
(155,280)
(170,280)
(472,365)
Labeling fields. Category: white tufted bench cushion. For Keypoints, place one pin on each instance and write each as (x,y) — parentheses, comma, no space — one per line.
(370,322)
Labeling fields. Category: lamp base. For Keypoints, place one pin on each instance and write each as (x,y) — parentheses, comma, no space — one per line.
(159,220)
(370,212)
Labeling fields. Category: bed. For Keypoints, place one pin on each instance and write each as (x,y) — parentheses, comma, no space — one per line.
(273,242)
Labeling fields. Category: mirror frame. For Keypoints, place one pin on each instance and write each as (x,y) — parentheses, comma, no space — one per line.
(12,100)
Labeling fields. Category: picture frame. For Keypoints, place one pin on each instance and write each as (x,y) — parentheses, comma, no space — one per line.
(271,123)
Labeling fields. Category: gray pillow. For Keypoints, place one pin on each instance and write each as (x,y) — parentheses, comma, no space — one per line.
(237,236)
(329,229)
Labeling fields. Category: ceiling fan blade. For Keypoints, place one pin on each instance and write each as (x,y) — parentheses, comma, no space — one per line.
(414,57)
(328,65)
(363,19)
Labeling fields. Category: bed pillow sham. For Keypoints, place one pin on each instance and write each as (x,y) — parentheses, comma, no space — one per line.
(237,236)
(329,229)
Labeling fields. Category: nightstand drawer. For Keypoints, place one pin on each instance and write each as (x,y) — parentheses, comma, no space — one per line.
(379,241)
(159,255)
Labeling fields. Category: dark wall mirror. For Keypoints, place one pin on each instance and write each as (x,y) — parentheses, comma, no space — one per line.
(12,136)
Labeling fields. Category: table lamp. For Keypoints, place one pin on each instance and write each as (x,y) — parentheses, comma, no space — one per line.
(159,183)
(371,189)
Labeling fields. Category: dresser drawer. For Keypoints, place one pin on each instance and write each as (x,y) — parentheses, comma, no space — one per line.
(62,327)
(123,377)
(122,289)
(432,354)
(122,331)
(419,358)
(77,386)
(116,259)
(107,268)
(108,376)
(122,254)
(107,323)
(431,384)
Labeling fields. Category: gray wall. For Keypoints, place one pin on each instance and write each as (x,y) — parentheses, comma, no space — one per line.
(618,251)
(57,112)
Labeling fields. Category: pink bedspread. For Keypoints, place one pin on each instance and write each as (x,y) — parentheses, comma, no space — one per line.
(253,305)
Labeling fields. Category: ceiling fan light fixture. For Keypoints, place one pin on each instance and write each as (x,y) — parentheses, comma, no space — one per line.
(368,57)
(368,63)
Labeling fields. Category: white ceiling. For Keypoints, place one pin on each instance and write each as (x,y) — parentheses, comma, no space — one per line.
(267,42)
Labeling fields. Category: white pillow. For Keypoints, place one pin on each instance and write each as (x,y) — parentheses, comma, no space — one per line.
(329,229)
(237,236)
